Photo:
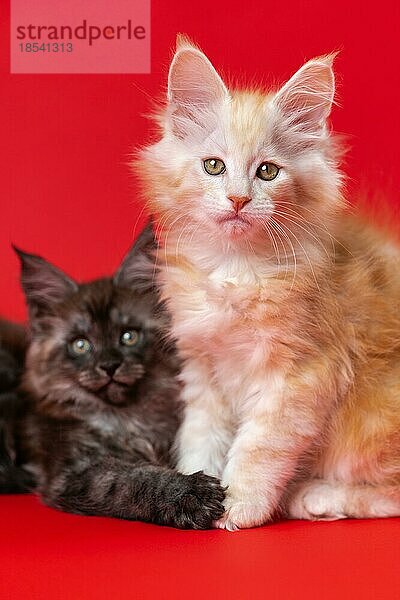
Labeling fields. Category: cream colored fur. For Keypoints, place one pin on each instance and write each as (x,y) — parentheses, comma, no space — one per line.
(288,319)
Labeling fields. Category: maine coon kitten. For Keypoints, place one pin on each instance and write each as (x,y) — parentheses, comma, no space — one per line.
(103,391)
(286,309)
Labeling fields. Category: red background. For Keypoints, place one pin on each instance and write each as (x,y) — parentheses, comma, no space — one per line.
(66,190)
(66,193)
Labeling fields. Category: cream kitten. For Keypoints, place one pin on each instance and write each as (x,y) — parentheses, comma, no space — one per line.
(286,309)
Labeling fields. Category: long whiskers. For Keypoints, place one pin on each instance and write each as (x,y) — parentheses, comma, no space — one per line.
(277,233)
(295,221)
(278,227)
(290,232)
(170,226)
(138,218)
(168,219)
(318,225)
(275,248)
(188,240)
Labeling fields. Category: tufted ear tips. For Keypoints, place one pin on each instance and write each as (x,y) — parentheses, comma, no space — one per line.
(183,41)
(137,270)
(306,99)
(192,79)
(43,283)
(194,87)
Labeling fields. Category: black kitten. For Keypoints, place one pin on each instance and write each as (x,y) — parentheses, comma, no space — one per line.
(104,391)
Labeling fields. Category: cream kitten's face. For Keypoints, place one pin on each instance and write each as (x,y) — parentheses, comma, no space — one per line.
(229,169)
(235,163)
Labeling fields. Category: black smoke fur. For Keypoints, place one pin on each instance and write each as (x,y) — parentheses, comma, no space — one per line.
(14,478)
(100,444)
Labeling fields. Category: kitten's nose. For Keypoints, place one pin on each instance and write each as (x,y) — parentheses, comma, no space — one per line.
(238,202)
(110,367)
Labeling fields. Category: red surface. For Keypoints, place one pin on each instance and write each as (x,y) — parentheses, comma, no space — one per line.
(66,192)
(46,554)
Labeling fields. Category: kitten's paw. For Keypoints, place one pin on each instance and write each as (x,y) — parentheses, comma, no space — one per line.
(226,523)
(198,501)
(317,500)
(242,515)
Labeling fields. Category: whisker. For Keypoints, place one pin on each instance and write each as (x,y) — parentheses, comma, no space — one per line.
(274,244)
(170,225)
(289,231)
(163,222)
(250,247)
(181,239)
(284,250)
(295,214)
(138,219)
(282,230)
(195,230)
(294,220)
(319,225)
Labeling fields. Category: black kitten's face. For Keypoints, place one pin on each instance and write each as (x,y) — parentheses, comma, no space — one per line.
(92,344)
(96,346)
(109,356)
(110,342)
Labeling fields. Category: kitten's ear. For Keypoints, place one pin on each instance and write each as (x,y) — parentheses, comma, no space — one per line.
(44,284)
(306,99)
(137,270)
(194,86)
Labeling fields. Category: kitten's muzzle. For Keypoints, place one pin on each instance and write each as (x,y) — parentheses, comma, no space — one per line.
(130,375)
(111,373)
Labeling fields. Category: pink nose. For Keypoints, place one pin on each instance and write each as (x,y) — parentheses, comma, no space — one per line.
(238,202)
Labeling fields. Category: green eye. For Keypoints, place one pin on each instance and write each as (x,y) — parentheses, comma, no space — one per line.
(267,171)
(214,166)
(80,346)
(129,338)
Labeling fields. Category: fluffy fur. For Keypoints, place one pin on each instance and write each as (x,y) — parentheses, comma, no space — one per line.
(97,426)
(286,311)
(14,477)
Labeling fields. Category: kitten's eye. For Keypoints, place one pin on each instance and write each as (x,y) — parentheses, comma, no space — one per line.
(80,346)
(130,338)
(214,166)
(267,171)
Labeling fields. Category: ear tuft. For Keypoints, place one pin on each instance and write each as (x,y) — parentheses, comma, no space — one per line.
(137,270)
(192,79)
(306,99)
(183,41)
(194,87)
(43,283)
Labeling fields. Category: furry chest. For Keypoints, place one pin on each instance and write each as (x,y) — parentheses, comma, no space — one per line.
(223,317)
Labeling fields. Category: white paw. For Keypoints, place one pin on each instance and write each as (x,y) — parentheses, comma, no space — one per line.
(242,515)
(226,523)
(318,500)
